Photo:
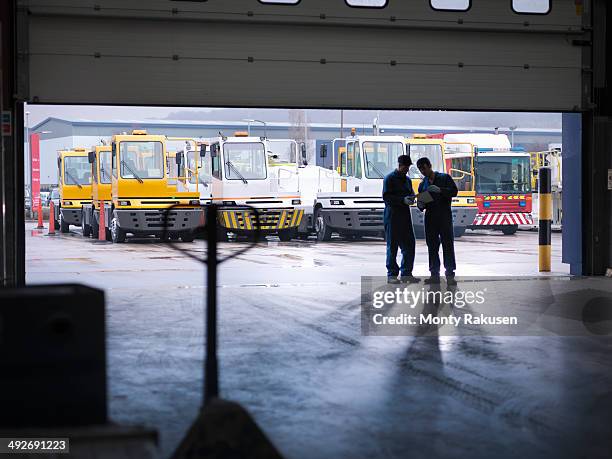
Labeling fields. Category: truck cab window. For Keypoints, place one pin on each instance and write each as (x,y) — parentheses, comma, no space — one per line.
(215,153)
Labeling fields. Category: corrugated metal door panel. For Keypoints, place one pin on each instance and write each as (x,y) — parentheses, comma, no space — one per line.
(483,13)
(211,67)
(133,38)
(156,82)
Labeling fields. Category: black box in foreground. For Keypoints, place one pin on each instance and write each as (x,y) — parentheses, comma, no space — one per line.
(53,356)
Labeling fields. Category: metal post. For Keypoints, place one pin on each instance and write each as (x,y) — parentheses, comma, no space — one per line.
(544,231)
(512,129)
(211,371)
(101,221)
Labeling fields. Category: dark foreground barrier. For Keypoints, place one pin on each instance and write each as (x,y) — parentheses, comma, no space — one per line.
(53,356)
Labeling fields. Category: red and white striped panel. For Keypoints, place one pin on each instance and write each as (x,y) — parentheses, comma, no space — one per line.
(503,218)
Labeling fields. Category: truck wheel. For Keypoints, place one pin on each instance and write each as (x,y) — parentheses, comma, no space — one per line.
(419,232)
(351,236)
(458,231)
(85,228)
(323,231)
(117,234)
(221,233)
(95,227)
(188,236)
(509,230)
(64,227)
(286,235)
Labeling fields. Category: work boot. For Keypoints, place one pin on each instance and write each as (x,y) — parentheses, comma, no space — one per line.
(450,280)
(392,280)
(433,279)
(409,279)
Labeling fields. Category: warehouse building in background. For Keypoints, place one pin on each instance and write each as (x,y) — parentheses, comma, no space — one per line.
(59,134)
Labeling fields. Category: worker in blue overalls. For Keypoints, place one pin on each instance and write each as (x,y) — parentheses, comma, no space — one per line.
(438,220)
(398,196)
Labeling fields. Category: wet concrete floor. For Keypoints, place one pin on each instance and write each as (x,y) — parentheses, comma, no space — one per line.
(292,352)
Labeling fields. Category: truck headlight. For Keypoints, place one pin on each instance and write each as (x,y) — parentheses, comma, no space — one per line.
(229,203)
(337,202)
(66,203)
(296,202)
(471,201)
(194,202)
(124,203)
(522,203)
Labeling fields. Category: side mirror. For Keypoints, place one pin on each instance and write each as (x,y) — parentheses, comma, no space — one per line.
(91,157)
(203,151)
(213,150)
(303,151)
(323,151)
(179,158)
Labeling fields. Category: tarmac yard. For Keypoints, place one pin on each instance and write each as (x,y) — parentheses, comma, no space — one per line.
(292,352)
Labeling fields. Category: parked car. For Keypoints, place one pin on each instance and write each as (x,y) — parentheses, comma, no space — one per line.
(54,196)
(26,200)
(44,197)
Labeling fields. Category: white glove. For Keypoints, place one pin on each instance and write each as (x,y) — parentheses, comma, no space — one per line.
(409,200)
(433,189)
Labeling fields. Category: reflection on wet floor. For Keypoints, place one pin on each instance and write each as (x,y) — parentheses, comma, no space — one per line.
(292,350)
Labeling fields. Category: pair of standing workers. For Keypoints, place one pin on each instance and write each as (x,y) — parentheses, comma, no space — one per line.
(398,196)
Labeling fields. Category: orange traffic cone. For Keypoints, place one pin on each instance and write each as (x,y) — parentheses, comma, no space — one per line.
(40,216)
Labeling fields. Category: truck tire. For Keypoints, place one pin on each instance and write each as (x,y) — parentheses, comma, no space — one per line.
(221,234)
(324,232)
(117,233)
(509,230)
(419,232)
(188,236)
(63,226)
(458,231)
(85,228)
(95,227)
(286,235)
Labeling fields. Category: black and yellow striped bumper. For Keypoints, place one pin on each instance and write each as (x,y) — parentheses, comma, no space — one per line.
(269,220)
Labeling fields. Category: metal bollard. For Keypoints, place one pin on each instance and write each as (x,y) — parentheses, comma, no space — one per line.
(51,220)
(102,223)
(544,230)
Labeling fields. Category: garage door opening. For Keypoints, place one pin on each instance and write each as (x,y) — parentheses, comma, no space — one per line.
(280,160)
(316,174)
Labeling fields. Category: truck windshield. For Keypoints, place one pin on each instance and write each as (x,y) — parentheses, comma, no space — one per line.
(141,159)
(431,151)
(204,167)
(105,167)
(244,161)
(77,170)
(502,174)
(282,151)
(381,157)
